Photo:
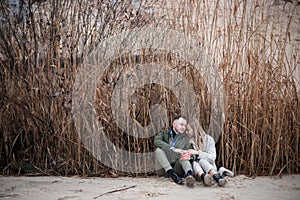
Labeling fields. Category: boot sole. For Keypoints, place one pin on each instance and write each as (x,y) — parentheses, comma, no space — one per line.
(190,181)
(208,180)
(180,182)
(225,172)
(222,182)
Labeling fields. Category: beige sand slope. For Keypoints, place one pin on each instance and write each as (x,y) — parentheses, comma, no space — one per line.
(75,188)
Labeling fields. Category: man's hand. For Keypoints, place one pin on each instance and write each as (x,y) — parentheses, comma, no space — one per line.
(185,156)
(179,151)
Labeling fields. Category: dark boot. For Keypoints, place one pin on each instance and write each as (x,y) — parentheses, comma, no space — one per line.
(175,177)
(207,179)
(190,180)
(219,180)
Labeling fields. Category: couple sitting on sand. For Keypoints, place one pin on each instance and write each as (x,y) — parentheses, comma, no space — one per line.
(185,150)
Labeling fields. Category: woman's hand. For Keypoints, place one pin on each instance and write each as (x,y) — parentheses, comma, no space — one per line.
(193,151)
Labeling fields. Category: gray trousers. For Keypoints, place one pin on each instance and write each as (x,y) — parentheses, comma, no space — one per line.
(203,165)
(163,164)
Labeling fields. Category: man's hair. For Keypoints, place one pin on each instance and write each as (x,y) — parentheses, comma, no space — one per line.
(179,116)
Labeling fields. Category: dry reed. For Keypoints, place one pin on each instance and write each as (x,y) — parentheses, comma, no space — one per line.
(257,53)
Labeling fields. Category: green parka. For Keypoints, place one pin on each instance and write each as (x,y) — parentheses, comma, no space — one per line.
(164,141)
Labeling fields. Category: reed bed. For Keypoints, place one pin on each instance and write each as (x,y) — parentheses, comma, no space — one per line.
(255,45)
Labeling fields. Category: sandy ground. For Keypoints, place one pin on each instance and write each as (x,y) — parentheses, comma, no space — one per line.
(74,188)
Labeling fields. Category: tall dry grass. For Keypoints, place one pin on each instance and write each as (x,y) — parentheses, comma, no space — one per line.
(256,52)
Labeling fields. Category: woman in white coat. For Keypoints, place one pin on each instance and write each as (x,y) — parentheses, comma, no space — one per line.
(203,147)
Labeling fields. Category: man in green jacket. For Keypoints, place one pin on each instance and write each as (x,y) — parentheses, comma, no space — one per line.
(171,145)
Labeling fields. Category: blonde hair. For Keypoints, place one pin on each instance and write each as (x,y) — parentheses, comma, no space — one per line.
(199,134)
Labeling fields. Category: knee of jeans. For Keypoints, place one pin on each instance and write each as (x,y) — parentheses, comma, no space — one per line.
(202,161)
(158,150)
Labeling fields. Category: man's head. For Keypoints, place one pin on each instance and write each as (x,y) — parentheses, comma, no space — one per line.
(179,124)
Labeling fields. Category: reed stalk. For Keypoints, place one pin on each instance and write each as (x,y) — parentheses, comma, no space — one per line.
(254,44)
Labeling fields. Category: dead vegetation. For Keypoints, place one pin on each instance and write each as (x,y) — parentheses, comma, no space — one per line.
(256,53)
